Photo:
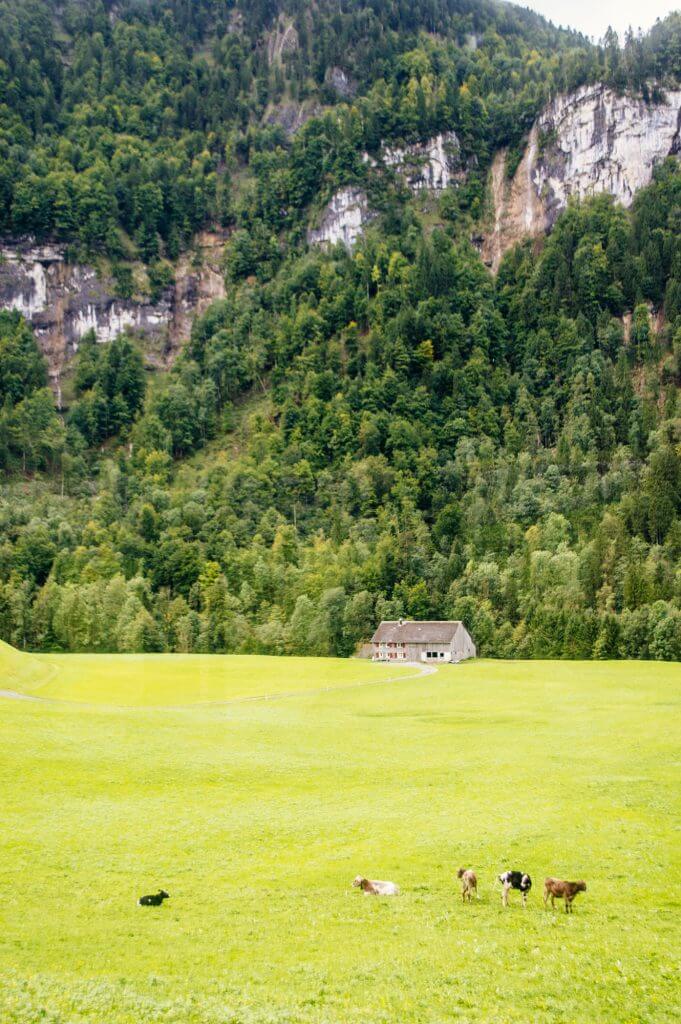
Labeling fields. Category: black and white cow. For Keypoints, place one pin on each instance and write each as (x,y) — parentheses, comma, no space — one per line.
(515,880)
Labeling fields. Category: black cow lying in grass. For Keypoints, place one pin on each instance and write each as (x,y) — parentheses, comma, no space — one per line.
(515,880)
(155,900)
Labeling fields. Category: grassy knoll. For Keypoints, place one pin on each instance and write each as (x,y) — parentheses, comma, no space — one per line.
(23,673)
(257,815)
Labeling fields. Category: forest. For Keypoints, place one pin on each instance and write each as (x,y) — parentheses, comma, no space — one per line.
(346,436)
(124,124)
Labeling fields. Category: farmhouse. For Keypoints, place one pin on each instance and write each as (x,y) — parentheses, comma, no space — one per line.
(406,640)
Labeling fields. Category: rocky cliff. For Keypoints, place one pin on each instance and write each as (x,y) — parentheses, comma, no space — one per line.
(63,301)
(426,166)
(433,165)
(588,142)
(343,219)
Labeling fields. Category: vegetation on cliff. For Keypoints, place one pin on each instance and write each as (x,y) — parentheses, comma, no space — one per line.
(124,125)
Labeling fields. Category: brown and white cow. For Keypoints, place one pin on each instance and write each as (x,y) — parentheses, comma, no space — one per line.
(374,888)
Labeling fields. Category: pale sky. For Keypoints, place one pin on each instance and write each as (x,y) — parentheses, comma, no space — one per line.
(592,17)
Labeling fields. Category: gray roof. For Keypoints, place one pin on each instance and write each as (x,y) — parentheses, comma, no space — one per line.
(409,632)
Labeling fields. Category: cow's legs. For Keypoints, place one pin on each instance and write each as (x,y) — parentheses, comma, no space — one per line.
(504,897)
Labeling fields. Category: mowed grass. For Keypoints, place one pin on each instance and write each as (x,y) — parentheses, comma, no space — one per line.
(134,680)
(256,816)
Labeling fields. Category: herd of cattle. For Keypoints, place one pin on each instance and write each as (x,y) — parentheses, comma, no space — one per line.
(554,888)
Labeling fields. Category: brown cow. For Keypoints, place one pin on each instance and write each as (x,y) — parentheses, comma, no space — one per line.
(469,883)
(555,888)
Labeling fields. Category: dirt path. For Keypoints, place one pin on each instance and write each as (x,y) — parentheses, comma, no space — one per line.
(424,670)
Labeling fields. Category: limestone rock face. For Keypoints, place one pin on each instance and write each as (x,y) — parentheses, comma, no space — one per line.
(199,281)
(343,219)
(431,165)
(340,82)
(64,301)
(588,142)
(597,141)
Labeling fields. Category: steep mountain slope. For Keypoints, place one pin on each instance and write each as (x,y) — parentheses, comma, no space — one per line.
(381,427)
(64,300)
(588,142)
(127,128)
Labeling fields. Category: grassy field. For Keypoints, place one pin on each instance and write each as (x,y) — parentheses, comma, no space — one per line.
(256,815)
(153,680)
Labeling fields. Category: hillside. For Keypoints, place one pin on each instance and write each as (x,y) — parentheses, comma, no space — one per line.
(21,672)
(351,431)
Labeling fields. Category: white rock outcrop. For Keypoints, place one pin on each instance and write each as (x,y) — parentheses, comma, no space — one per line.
(585,143)
(601,142)
(431,165)
(426,166)
(63,301)
(343,219)
(292,116)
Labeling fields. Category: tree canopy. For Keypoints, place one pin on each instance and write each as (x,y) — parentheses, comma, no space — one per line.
(345,437)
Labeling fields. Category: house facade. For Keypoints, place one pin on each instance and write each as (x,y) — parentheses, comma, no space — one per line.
(429,642)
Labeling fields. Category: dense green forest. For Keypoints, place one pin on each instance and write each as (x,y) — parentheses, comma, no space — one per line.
(347,436)
(124,124)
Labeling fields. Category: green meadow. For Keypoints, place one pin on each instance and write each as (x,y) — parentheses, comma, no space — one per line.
(127,774)
(166,680)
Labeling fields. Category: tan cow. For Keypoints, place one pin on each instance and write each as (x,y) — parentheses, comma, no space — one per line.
(555,888)
(469,884)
